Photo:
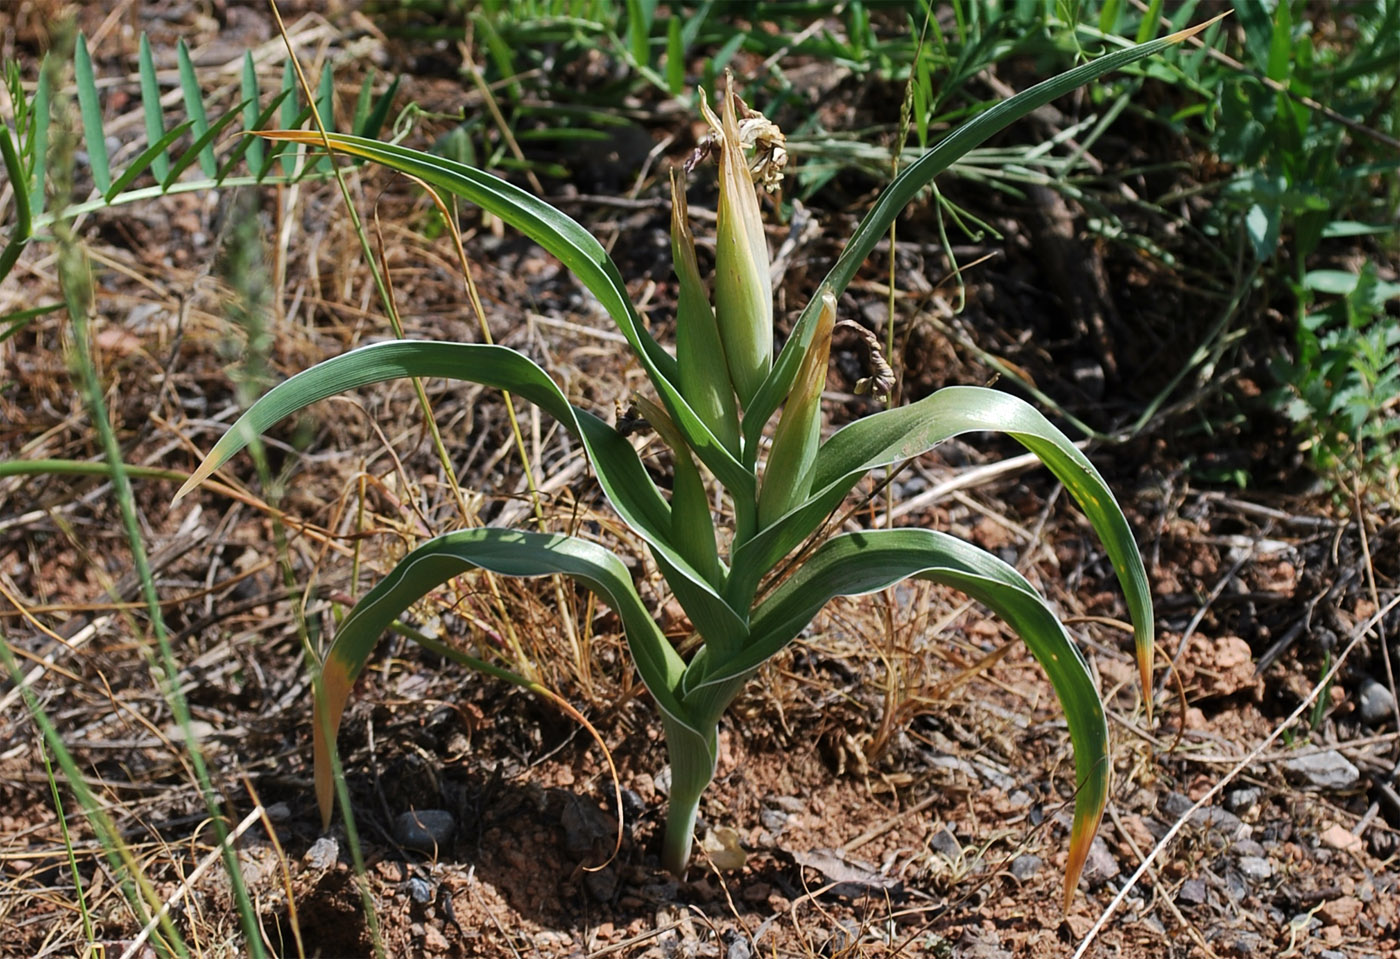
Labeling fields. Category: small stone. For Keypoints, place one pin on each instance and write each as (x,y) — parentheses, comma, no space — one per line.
(1325,770)
(323,853)
(946,845)
(662,781)
(1243,800)
(1100,866)
(279,812)
(1246,847)
(1374,702)
(1024,867)
(1340,837)
(420,890)
(1193,892)
(1341,912)
(1255,868)
(739,949)
(434,940)
(426,830)
(1331,954)
(774,820)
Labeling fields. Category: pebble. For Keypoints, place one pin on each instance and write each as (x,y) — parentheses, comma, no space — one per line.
(739,949)
(1241,801)
(1340,837)
(1193,892)
(662,781)
(1326,770)
(1255,867)
(1023,867)
(1374,702)
(1100,866)
(1341,912)
(323,853)
(426,830)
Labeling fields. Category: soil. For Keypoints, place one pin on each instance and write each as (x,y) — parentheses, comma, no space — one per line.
(887,787)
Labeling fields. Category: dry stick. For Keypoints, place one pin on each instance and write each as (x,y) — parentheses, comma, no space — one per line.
(1239,767)
(190,880)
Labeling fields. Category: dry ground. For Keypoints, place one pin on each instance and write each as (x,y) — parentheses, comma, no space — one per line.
(892,799)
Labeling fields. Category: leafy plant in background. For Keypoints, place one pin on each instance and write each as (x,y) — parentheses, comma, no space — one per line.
(181,159)
(1343,390)
(750,586)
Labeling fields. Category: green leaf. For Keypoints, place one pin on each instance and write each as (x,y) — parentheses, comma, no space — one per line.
(675,58)
(620,473)
(380,113)
(263,165)
(901,433)
(251,118)
(288,119)
(325,109)
(582,254)
(903,190)
(510,553)
(40,148)
(202,144)
(194,106)
(150,107)
(854,564)
(91,109)
(148,157)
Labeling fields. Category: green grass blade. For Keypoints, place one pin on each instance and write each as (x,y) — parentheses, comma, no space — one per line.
(581,254)
(148,157)
(675,58)
(858,563)
(325,108)
(905,188)
(194,106)
(620,472)
(510,553)
(379,115)
(39,150)
(24,219)
(252,118)
(12,323)
(91,109)
(288,119)
(362,103)
(246,143)
(202,146)
(150,106)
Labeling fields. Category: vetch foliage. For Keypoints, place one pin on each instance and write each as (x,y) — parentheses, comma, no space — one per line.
(715,417)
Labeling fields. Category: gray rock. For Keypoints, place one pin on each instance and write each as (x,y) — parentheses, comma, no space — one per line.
(1256,868)
(1331,954)
(1374,702)
(739,948)
(1242,800)
(946,845)
(1100,866)
(772,819)
(663,781)
(323,853)
(1327,770)
(426,830)
(1246,847)
(1023,867)
(1193,892)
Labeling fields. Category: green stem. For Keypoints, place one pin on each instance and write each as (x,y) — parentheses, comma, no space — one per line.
(693,758)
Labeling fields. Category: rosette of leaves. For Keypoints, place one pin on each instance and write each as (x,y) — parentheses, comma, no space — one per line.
(717,418)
